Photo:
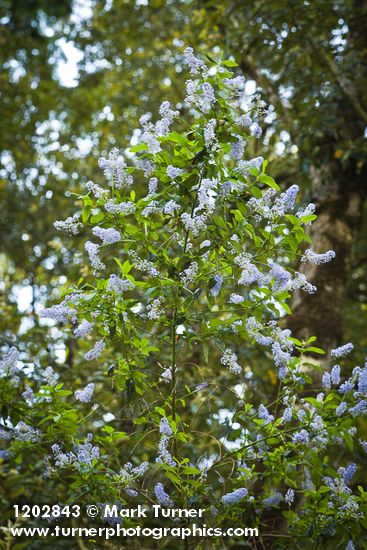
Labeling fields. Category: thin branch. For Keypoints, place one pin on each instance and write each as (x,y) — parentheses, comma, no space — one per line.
(344,85)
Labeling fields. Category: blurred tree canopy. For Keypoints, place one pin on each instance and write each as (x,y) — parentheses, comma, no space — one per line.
(308,60)
(30,93)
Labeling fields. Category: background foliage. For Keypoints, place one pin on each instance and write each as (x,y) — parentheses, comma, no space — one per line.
(309,63)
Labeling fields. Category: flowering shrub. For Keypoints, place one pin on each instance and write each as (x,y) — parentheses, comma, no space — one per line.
(191,266)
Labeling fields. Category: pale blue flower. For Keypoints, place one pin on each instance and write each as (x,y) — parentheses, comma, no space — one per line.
(235,496)
(362,381)
(341,408)
(162,497)
(273,501)
(301,437)
(318,259)
(107,236)
(335,375)
(96,351)
(164,427)
(85,395)
(289,496)
(215,290)
(342,350)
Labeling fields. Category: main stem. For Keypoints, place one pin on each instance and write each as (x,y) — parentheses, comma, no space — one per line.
(173,335)
(173,375)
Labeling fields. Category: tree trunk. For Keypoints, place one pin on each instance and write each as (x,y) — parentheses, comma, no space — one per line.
(337,124)
(339,193)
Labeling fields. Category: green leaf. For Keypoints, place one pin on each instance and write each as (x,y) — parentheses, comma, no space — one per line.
(97,218)
(229,63)
(177,138)
(269,181)
(190,471)
(138,148)
(309,218)
(349,441)
(173,477)
(85,213)
(237,215)
(256,192)
(205,350)
(313,349)
(286,307)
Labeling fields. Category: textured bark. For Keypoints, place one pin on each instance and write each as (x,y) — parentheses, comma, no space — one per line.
(339,192)
(339,196)
(339,182)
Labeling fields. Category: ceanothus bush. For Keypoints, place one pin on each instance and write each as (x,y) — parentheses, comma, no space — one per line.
(192,247)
